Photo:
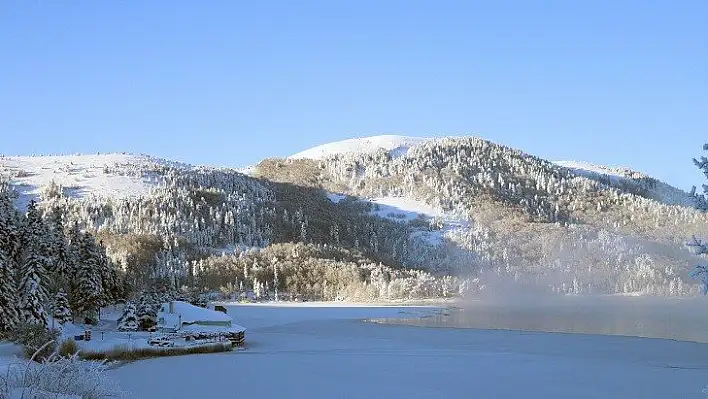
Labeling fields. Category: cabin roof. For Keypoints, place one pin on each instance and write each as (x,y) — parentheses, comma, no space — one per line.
(192,314)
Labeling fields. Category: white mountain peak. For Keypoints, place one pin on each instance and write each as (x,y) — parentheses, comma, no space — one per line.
(397,145)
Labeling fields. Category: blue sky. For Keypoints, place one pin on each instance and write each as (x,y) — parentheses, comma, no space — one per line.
(610,82)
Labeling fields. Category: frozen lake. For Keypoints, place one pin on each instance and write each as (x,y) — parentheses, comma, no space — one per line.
(683,319)
(326,351)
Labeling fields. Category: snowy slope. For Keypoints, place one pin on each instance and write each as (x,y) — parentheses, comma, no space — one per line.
(397,145)
(661,192)
(406,209)
(589,168)
(101,175)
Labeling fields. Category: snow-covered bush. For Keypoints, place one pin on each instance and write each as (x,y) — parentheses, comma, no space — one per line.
(57,378)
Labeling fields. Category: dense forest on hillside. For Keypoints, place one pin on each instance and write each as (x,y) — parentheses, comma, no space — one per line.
(506,213)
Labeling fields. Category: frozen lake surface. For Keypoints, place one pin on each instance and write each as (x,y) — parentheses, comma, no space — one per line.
(683,319)
(324,351)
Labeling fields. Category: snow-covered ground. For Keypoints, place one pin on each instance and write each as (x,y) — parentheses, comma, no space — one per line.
(407,209)
(404,208)
(397,145)
(325,352)
(101,175)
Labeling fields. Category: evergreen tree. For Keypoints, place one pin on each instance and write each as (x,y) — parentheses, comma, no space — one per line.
(700,271)
(9,300)
(147,315)
(129,320)
(60,310)
(108,275)
(61,262)
(87,293)
(702,199)
(33,274)
(8,291)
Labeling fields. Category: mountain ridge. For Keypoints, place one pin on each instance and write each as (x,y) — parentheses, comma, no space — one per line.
(459,206)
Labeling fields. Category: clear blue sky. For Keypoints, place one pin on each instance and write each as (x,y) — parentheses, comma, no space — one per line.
(231,82)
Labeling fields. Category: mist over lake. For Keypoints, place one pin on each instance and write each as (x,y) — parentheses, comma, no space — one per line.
(683,319)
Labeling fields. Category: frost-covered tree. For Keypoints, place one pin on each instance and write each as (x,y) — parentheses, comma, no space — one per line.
(86,296)
(61,263)
(701,198)
(33,271)
(129,320)
(699,247)
(60,309)
(9,300)
(147,312)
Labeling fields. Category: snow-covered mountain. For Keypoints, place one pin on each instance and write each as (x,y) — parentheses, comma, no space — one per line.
(395,145)
(398,146)
(519,214)
(448,205)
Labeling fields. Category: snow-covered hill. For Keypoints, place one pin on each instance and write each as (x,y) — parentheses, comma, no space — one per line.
(659,190)
(444,204)
(80,176)
(397,145)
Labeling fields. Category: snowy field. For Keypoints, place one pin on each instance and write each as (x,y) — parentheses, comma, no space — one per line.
(321,351)
(101,175)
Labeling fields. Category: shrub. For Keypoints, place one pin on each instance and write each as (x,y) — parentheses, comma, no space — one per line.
(57,377)
(68,348)
(126,354)
(34,337)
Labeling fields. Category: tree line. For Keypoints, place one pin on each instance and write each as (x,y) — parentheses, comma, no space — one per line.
(47,269)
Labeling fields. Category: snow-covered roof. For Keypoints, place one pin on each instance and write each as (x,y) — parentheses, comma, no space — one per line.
(201,328)
(191,313)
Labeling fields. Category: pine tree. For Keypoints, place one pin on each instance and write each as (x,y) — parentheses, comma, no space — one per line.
(60,309)
(9,300)
(702,199)
(61,261)
(86,293)
(700,271)
(146,313)
(8,292)
(129,320)
(33,275)
(106,271)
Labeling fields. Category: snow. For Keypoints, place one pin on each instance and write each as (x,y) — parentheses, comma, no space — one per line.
(661,192)
(335,198)
(24,393)
(83,175)
(403,208)
(248,170)
(192,314)
(586,168)
(407,209)
(397,146)
(323,352)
